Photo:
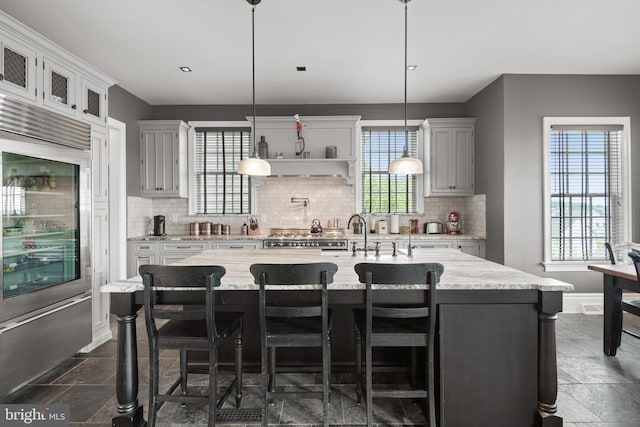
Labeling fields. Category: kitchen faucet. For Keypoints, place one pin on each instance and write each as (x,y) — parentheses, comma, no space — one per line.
(360,218)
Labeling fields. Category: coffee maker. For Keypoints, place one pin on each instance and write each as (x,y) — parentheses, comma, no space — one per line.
(158,225)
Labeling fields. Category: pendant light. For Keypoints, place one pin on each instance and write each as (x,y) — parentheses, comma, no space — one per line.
(405,165)
(254,165)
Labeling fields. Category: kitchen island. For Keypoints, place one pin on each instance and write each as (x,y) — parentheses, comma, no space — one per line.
(496,330)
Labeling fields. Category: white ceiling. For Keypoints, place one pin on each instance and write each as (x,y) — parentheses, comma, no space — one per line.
(353,49)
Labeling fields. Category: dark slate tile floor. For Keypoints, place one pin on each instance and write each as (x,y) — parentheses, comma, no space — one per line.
(594,390)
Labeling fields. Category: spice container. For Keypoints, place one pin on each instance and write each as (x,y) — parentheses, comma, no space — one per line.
(194,228)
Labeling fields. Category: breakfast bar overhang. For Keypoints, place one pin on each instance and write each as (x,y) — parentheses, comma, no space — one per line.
(496,341)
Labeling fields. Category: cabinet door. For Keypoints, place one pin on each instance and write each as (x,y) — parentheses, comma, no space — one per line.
(99,168)
(18,69)
(100,261)
(159,156)
(471,247)
(441,160)
(461,171)
(94,102)
(59,87)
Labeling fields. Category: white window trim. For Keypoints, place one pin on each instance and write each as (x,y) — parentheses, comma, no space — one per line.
(390,123)
(191,145)
(625,146)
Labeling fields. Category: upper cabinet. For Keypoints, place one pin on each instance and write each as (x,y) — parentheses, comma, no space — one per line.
(18,76)
(35,70)
(163,157)
(449,157)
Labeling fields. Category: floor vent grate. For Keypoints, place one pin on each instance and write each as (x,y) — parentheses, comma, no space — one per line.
(242,415)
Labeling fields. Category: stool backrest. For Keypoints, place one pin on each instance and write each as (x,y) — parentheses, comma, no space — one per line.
(179,286)
(635,257)
(320,273)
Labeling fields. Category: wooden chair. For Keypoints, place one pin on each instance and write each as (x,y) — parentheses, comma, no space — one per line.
(393,326)
(301,325)
(199,327)
(633,307)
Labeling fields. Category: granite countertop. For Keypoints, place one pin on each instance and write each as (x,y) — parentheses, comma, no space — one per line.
(461,271)
(350,236)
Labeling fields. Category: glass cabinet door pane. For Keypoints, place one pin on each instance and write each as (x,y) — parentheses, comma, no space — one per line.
(40,211)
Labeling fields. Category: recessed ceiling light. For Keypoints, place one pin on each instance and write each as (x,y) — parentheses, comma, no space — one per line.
(412,67)
(185,69)
(301,68)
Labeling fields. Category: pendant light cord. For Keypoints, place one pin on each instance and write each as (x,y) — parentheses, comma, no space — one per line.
(406,132)
(253,76)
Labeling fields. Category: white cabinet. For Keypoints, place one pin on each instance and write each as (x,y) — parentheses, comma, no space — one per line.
(450,157)
(472,247)
(36,70)
(18,65)
(59,87)
(93,105)
(141,253)
(172,252)
(163,157)
(237,244)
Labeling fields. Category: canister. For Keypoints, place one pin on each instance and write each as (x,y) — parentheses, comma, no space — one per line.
(331,152)
(194,228)
(217,229)
(205,228)
(226,229)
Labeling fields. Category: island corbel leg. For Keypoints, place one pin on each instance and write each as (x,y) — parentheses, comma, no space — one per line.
(550,305)
(612,325)
(130,412)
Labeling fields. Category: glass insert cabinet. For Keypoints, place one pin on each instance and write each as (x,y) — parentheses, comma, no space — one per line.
(40,224)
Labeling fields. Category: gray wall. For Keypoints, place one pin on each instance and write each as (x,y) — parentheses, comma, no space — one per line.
(527,99)
(128,108)
(488,109)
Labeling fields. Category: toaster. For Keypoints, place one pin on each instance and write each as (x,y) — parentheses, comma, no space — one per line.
(433,228)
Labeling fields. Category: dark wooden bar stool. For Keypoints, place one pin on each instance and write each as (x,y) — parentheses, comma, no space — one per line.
(305,324)
(393,326)
(632,307)
(200,327)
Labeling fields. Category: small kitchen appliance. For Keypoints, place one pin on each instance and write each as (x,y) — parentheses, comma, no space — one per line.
(453,223)
(381,226)
(158,225)
(433,228)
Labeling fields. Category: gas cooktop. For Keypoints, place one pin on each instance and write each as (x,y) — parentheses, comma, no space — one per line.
(331,238)
(305,233)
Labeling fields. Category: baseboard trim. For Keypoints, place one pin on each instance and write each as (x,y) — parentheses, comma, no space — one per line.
(102,337)
(588,303)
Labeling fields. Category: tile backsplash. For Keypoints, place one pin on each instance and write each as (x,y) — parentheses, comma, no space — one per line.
(328,197)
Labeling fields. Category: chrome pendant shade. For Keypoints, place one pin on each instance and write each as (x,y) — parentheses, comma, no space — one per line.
(406,165)
(254,165)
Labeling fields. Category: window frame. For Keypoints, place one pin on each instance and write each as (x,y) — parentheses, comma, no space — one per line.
(191,144)
(625,159)
(420,124)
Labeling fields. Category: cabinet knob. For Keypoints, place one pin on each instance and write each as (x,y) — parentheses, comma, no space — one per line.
(85,111)
(73,107)
(1,76)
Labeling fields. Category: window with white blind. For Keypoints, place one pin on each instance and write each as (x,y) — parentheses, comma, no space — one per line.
(217,187)
(383,192)
(586,188)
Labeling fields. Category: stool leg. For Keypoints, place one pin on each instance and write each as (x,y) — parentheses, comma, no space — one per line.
(326,375)
(369,381)
(153,382)
(265,384)
(238,370)
(413,381)
(272,370)
(358,349)
(183,373)
(213,384)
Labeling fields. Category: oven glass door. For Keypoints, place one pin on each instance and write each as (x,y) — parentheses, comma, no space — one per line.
(40,224)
